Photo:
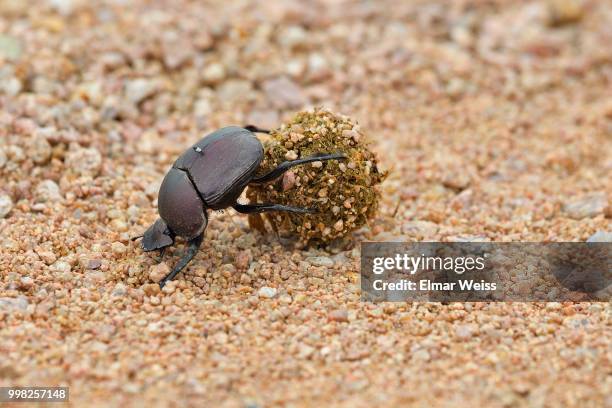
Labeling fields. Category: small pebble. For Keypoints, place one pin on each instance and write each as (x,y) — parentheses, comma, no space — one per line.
(288,181)
(305,351)
(118,248)
(13,304)
(339,315)
(48,191)
(47,256)
(214,73)
(600,236)
(586,207)
(465,331)
(120,289)
(321,261)
(158,272)
(94,263)
(39,150)
(61,266)
(266,292)
(137,90)
(6,205)
(243,259)
(26,282)
(562,12)
(291,155)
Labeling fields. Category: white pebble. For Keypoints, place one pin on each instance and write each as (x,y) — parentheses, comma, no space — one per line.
(13,304)
(214,73)
(48,190)
(139,89)
(586,207)
(267,292)
(291,155)
(120,289)
(61,266)
(6,205)
(465,331)
(11,86)
(600,236)
(27,282)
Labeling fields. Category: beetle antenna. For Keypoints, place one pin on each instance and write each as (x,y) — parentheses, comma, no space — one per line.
(252,128)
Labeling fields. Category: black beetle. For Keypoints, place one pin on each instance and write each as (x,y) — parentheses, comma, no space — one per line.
(211,175)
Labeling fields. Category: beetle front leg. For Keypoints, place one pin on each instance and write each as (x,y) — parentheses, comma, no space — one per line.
(194,245)
(259,208)
(284,166)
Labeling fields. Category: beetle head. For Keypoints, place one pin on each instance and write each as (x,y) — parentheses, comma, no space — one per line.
(157,236)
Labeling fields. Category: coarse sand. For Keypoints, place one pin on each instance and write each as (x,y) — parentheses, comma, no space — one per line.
(494,119)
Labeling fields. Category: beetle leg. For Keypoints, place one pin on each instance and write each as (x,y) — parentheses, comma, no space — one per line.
(255,129)
(259,208)
(284,166)
(162,251)
(194,245)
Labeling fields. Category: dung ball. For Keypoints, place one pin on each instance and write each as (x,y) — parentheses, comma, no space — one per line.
(345,193)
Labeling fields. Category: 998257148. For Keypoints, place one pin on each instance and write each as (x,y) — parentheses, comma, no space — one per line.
(34,394)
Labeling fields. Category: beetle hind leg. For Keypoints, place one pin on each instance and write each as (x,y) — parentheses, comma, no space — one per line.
(259,208)
(192,250)
(284,166)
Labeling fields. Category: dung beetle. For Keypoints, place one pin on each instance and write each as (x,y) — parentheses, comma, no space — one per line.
(211,175)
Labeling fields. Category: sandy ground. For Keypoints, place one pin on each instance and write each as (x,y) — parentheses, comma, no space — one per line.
(494,118)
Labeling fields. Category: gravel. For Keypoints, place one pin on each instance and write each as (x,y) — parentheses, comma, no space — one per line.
(492,117)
